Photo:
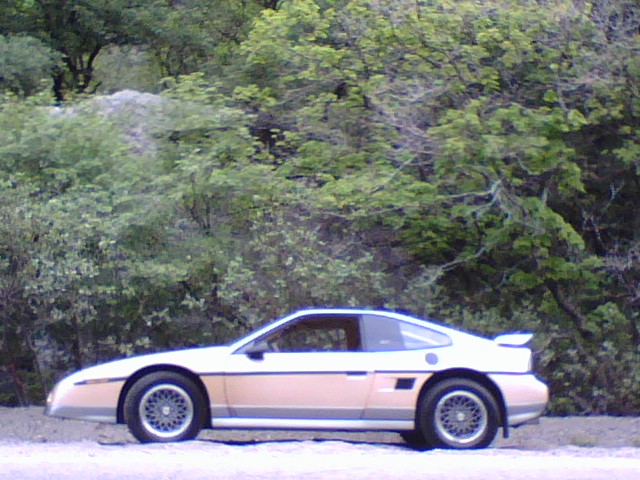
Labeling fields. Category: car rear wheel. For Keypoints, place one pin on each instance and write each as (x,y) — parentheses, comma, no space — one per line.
(458,414)
(164,407)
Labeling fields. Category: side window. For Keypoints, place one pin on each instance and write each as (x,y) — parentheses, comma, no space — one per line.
(417,337)
(384,334)
(316,334)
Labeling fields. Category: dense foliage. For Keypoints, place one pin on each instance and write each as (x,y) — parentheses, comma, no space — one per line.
(472,161)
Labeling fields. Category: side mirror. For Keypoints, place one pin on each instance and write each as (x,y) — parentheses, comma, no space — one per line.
(257,351)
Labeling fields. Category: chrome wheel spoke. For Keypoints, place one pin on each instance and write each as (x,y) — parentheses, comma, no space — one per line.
(166,410)
(461,416)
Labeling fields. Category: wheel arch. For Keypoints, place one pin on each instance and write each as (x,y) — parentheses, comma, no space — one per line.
(163,368)
(468,374)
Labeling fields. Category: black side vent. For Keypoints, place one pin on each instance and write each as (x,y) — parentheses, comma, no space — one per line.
(405,383)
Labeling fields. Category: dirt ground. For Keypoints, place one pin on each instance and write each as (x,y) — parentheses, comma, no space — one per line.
(30,425)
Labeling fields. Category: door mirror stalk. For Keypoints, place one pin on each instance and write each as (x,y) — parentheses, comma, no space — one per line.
(257,351)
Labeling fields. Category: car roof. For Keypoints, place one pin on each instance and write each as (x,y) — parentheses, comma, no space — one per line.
(351,310)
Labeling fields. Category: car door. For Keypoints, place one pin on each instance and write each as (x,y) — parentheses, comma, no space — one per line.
(312,368)
(403,357)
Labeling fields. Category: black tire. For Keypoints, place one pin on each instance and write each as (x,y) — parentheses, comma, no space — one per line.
(458,414)
(415,439)
(164,407)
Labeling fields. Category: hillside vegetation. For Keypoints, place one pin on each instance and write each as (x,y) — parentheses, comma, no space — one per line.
(475,162)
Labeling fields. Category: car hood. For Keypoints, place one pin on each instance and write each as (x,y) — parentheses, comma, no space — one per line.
(197,360)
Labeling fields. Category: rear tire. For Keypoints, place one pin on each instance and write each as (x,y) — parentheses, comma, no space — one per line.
(458,414)
(164,407)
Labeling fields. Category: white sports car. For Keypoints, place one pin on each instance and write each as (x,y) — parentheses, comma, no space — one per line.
(332,369)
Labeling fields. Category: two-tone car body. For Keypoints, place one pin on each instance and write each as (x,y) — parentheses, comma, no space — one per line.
(336,369)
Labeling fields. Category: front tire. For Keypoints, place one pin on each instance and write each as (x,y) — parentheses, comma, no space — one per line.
(458,414)
(164,407)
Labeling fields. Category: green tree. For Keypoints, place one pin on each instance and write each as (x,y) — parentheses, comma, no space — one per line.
(182,37)
(25,63)
(472,161)
(487,175)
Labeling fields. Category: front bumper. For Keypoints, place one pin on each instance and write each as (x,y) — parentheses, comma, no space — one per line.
(81,401)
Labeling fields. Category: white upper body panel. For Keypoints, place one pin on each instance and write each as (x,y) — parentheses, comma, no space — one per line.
(465,351)
(198,360)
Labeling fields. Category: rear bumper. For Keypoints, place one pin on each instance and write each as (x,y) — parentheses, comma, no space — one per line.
(525,397)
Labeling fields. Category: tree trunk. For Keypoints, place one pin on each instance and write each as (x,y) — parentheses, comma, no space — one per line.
(570,308)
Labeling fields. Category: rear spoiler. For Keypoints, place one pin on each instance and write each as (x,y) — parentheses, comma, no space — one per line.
(513,339)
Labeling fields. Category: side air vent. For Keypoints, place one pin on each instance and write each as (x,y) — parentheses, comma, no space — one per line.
(405,383)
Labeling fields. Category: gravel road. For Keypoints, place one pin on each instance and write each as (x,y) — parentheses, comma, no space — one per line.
(35,447)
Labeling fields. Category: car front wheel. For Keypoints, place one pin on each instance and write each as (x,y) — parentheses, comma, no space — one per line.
(164,407)
(458,414)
